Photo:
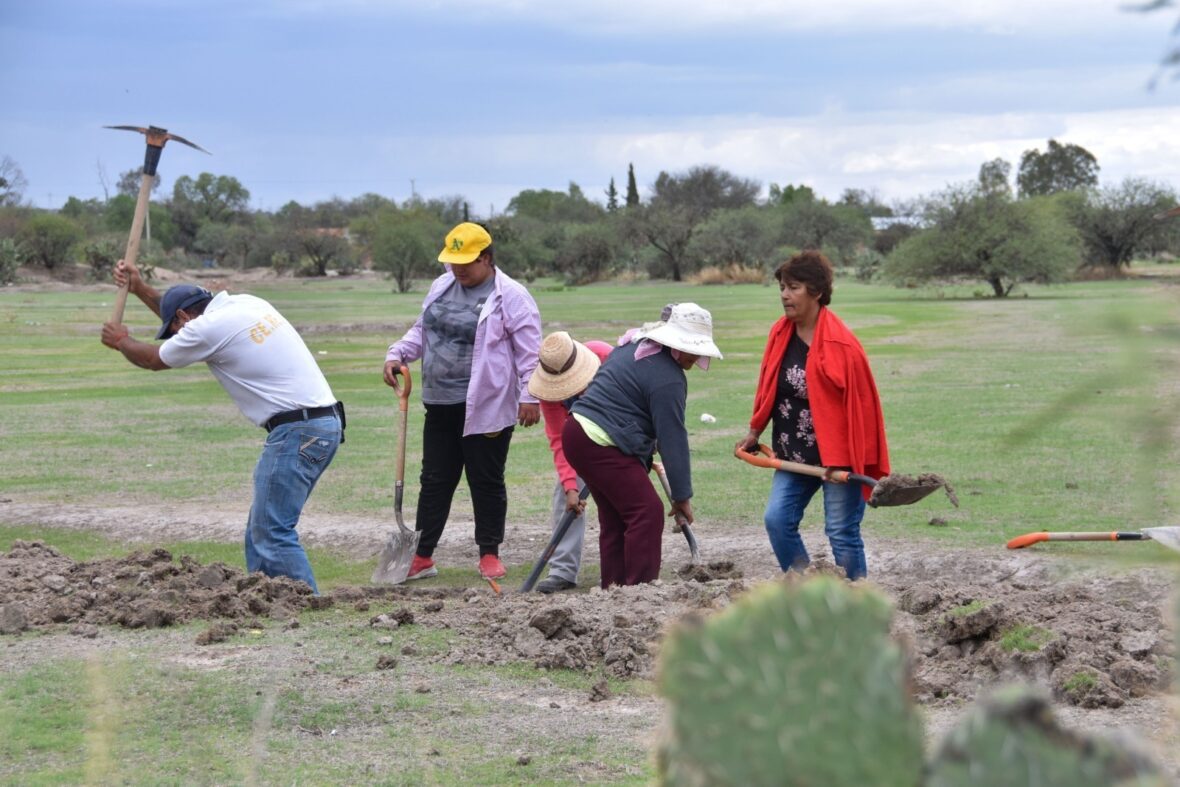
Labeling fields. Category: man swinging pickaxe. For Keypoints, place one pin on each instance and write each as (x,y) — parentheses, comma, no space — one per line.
(156,137)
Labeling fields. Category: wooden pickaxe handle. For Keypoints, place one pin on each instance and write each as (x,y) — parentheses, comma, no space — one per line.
(156,138)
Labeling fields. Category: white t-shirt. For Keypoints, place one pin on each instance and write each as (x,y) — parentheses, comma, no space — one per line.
(254,353)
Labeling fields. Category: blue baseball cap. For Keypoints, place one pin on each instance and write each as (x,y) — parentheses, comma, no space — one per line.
(182,296)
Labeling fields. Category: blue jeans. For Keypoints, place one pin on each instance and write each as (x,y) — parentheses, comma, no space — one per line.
(844,508)
(292,460)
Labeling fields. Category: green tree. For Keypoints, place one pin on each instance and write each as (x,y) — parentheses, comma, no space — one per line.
(867,202)
(838,230)
(1118,223)
(788,194)
(679,204)
(209,198)
(48,238)
(12,183)
(971,235)
(404,247)
(11,258)
(745,236)
(1060,168)
(588,254)
(612,197)
(632,188)
(995,177)
(130,181)
(552,206)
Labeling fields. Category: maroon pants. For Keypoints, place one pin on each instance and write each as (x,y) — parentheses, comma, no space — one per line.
(630,512)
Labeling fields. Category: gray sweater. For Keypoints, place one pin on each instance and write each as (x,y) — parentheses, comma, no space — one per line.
(640,404)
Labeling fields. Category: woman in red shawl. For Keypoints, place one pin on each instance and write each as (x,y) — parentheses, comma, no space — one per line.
(816,388)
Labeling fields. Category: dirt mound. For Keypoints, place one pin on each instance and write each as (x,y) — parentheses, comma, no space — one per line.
(1095,642)
(39,586)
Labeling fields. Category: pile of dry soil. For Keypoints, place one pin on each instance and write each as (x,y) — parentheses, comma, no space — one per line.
(1095,642)
(39,586)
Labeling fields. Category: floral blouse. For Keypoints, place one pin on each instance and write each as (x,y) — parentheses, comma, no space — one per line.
(793,431)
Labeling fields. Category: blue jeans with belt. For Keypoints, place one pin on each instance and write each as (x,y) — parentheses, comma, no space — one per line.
(844,508)
(292,460)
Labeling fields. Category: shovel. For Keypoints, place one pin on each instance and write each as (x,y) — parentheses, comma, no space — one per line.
(393,564)
(1168,536)
(681,522)
(558,534)
(892,490)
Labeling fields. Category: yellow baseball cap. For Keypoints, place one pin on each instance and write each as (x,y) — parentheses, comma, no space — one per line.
(464,244)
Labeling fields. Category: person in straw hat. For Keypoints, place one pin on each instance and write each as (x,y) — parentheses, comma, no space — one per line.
(478,336)
(634,403)
(564,370)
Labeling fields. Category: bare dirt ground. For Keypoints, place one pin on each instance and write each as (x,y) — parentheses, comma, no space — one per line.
(953,606)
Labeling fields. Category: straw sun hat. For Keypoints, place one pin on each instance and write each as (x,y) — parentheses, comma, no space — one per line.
(683,326)
(565,367)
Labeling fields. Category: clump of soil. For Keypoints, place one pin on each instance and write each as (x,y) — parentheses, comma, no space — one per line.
(899,489)
(1095,644)
(717,569)
(142,590)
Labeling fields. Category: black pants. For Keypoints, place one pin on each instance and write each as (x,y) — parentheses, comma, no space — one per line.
(447,454)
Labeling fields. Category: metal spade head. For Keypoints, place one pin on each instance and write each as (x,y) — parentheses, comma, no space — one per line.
(902,490)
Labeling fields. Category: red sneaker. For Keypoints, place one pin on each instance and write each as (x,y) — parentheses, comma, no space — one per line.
(490,567)
(421,568)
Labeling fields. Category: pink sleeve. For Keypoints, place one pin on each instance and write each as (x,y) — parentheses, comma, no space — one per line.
(555,415)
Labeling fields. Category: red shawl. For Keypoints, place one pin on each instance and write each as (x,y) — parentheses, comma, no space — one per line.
(845,407)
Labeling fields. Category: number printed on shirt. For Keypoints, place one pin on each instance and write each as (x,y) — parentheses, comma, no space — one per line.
(265,327)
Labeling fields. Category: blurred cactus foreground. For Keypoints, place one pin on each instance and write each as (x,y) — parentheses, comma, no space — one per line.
(800,683)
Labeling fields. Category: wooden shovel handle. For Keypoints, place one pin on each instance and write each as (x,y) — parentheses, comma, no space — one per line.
(403,408)
(1029,539)
(766,458)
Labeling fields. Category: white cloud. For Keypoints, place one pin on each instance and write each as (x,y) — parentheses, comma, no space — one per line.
(842,16)
(901,156)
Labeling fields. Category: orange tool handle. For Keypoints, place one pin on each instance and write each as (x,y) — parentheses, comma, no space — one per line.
(1102,535)
(766,458)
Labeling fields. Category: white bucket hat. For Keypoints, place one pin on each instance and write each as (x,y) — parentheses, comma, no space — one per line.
(684,326)
(564,368)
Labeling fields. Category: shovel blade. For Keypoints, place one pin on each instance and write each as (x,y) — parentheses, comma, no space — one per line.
(1168,536)
(904,490)
(393,564)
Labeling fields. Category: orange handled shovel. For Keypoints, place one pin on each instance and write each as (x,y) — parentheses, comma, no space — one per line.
(892,490)
(1168,536)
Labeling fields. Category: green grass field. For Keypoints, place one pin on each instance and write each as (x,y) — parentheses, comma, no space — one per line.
(1053,411)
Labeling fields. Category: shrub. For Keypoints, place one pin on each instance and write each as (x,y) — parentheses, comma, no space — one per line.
(728,274)
(11,257)
(48,239)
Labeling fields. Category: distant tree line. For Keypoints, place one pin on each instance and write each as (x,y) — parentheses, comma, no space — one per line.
(703,224)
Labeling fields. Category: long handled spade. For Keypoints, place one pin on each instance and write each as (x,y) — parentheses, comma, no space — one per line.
(681,522)
(393,564)
(156,137)
(1168,536)
(558,534)
(892,490)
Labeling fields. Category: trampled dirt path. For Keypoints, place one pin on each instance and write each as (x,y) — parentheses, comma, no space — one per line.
(953,606)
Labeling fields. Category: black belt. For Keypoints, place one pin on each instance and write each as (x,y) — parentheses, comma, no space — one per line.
(306,414)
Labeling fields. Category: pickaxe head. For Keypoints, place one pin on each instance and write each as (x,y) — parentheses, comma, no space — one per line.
(156,137)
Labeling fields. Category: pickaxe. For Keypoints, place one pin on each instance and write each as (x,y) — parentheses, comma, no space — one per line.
(156,137)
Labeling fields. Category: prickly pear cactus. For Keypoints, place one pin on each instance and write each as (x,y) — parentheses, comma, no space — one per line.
(793,684)
(1012,737)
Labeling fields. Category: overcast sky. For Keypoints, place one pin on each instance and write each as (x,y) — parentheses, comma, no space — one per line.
(306,99)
